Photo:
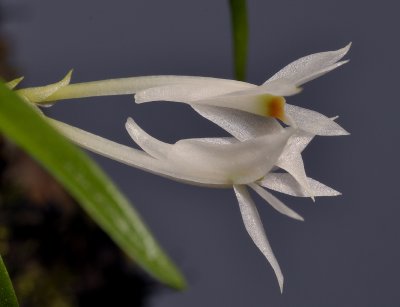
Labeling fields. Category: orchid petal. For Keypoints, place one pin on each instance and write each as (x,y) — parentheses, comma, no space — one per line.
(40,94)
(242,125)
(310,67)
(291,160)
(295,167)
(13,83)
(149,144)
(314,122)
(130,156)
(287,184)
(248,161)
(254,227)
(275,202)
(187,93)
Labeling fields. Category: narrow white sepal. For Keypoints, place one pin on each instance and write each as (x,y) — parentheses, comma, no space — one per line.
(314,122)
(291,160)
(310,67)
(254,227)
(295,167)
(287,184)
(275,202)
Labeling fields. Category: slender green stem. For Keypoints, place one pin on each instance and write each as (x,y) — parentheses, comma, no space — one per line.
(239,36)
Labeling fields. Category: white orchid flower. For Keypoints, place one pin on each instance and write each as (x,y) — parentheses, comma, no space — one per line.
(265,100)
(212,162)
(217,100)
(250,113)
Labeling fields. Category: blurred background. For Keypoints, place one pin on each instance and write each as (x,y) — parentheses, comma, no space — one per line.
(345,253)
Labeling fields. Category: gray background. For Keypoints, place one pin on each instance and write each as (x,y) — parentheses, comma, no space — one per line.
(346,252)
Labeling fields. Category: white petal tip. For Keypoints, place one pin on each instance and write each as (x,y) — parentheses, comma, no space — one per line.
(129,121)
(328,191)
(338,64)
(346,48)
(139,98)
(130,124)
(342,132)
(333,192)
(280,281)
(299,218)
(334,130)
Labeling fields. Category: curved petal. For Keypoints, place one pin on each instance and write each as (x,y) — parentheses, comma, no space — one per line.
(275,202)
(236,163)
(291,161)
(149,144)
(314,122)
(130,156)
(285,183)
(295,167)
(312,66)
(40,94)
(254,227)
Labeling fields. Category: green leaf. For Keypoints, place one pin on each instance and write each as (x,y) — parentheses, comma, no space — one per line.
(7,294)
(25,125)
(239,36)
